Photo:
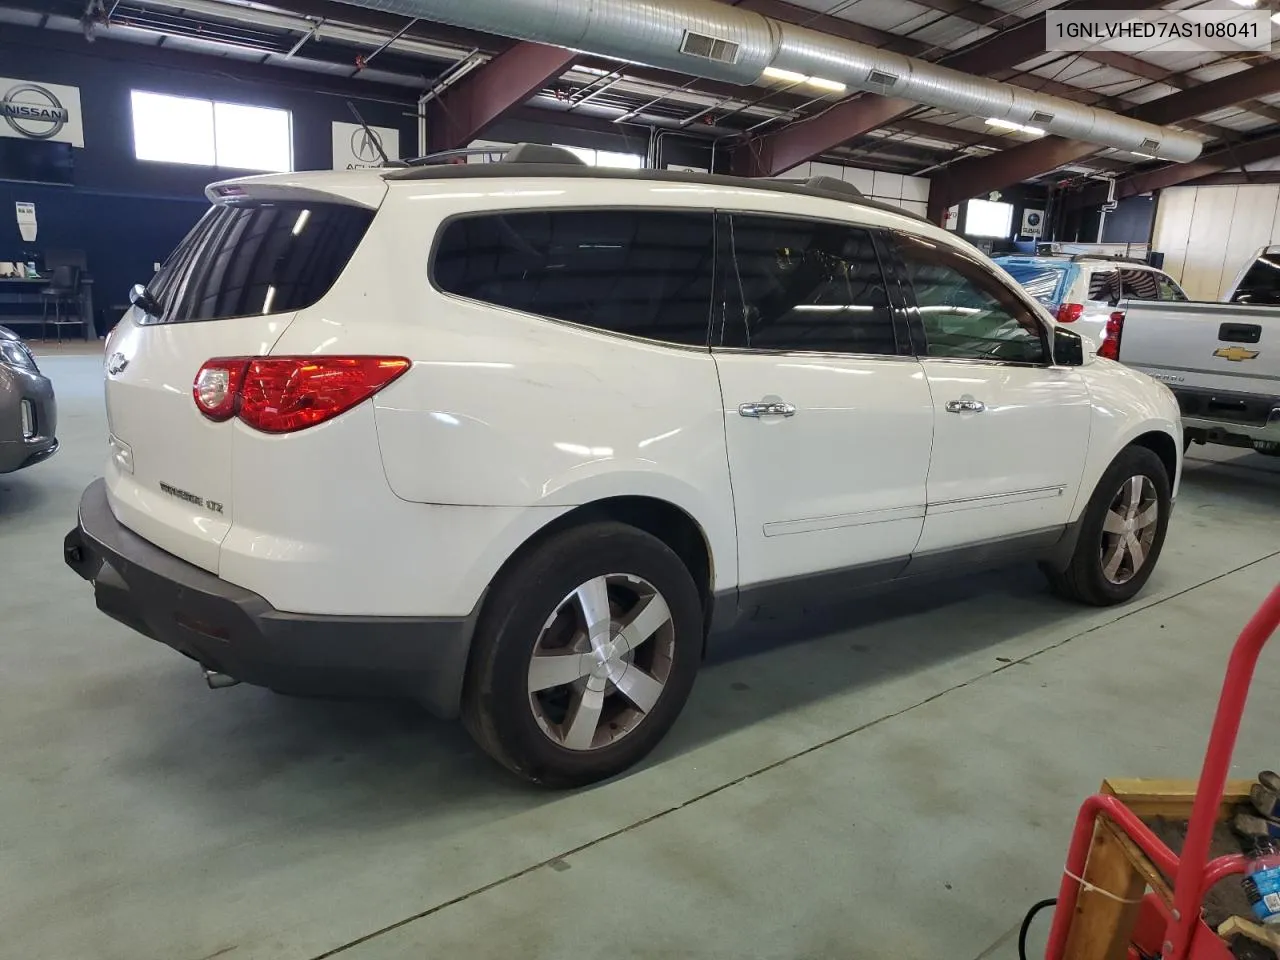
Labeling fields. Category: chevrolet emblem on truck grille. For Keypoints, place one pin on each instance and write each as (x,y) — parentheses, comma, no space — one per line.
(1235,354)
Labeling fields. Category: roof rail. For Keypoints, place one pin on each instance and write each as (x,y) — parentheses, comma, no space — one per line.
(833,185)
(516,153)
(442,170)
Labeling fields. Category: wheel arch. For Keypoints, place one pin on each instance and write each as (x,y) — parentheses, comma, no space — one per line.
(1163,446)
(672,524)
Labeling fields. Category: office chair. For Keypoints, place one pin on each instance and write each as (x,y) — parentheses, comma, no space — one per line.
(63,290)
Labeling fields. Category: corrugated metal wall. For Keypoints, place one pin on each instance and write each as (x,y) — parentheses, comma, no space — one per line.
(1207,233)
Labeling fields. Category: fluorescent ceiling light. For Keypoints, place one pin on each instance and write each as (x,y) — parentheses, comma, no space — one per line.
(1247,3)
(790,76)
(1010,125)
(1275,18)
(1144,156)
(821,84)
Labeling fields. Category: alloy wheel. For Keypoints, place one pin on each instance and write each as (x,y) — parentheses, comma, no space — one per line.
(1129,529)
(601,662)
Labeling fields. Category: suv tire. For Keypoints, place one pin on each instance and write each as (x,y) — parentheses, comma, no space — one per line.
(1121,534)
(563,707)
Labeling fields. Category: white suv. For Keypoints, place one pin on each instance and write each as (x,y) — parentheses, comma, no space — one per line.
(1085,290)
(515,439)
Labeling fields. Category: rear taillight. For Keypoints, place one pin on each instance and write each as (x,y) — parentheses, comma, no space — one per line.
(283,394)
(1070,312)
(1110,346)
(217,387)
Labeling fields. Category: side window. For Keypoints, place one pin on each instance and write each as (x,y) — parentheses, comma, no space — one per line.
(1168,289)
(1104,285)
(965,310)
(644,273)
(804,285)
(1139,284)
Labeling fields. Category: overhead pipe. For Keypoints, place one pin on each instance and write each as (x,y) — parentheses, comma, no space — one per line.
(312,28)
(707,39)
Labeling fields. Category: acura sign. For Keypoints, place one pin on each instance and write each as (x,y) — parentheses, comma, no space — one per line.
(356,146)
(40,111)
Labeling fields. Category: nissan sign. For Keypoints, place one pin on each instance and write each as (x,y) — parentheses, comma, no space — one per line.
(40,111)
(34,111)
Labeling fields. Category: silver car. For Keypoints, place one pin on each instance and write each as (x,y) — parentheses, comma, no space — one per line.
(28,411)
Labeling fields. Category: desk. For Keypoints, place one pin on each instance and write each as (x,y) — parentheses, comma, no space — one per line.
(21,303)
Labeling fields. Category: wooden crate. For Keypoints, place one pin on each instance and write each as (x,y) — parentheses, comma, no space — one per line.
(1101,927)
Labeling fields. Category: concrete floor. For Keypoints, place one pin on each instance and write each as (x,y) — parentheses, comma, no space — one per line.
(897,780)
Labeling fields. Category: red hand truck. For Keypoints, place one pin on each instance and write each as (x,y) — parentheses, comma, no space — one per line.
(1177,932)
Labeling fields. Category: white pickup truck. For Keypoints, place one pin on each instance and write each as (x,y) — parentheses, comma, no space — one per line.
(1222,360)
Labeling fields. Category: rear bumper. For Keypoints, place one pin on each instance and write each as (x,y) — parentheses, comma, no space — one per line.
(235,631)
(1265,432)
(16,454)
(1218,414)
(21,388)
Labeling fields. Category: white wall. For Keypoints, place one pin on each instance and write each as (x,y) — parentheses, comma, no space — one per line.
(1208,233)
(910,193)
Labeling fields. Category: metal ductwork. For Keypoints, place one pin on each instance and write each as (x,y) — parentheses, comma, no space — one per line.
(707,39)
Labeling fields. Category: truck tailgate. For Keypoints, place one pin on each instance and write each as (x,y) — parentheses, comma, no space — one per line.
(1228,347)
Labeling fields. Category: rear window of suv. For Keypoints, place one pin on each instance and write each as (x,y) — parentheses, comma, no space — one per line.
(252,259)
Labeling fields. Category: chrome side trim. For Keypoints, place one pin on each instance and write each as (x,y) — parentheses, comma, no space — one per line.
(780,528)
(814,354)
(996,499)
(989,362)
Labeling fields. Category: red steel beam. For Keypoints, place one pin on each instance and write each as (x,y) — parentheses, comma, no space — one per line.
(1172,174)
(466,109)
(1240,178)
(975,176)
(1206,97)
(776,153)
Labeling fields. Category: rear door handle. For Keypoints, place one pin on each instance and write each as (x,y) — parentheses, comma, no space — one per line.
(774,408)
(965,406)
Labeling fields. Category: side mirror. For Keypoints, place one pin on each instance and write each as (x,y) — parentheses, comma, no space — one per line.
(1068,348)
(143,299)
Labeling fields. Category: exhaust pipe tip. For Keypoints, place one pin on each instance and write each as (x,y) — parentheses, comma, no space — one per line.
(219,681)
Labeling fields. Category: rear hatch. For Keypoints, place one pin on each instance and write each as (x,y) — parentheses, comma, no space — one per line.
(268,248)
(1259,282)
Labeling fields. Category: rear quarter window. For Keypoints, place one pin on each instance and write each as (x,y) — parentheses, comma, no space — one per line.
(1140,284)
(645,273)
(258,258)
(1104,285)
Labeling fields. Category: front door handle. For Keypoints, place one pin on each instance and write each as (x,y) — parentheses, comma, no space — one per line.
(967,405)
(767,408)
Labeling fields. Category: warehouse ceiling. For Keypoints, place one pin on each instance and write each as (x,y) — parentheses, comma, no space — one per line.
(1231,99)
